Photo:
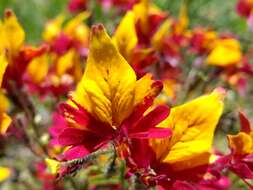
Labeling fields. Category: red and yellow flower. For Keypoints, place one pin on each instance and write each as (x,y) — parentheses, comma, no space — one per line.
(12,37)
(62,66)
(184,156)
(240,160)
(109,102)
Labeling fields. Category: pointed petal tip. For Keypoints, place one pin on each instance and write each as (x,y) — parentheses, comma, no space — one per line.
(8,13)
(97,29)
(158,85)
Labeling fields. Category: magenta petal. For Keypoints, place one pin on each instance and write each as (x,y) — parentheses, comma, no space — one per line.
(152,119)
(153,133)
(79,115)
(71,136)
(248,158)
(182,185)
(141,153)
(76,152)
(244,122)
(58,124)
(242,170)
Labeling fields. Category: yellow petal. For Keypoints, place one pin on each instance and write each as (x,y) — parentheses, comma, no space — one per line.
(161,33)
(65,62)
(5,173)
(3,65)
(226,52)
(53,28)
(71,26)
(183,20)
(141,12)
(193,126)
(144,89)
(38,68)
(4,106)
(82,34)
(125,36)
(5,122)
(14,33)
(52,165)
(200,159)
(170,87)
(3,40)
(242,143)
(107,87)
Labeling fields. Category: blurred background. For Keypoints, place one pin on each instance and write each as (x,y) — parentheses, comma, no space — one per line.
(216,13)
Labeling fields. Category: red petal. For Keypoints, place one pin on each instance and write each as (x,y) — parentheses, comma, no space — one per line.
(79,151)
(79,116)
(153,133)
(242,170)
(151,119)
(71,136)
(182,185)
(245,124)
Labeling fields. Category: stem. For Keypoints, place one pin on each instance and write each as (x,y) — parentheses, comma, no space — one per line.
(88,158)
(72,166)
(73,184)
(26,104)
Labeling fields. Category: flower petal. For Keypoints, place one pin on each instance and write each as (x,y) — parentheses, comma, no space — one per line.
(107,87)
(242,143)
(5,122)
(3,65)
(71,136)
(14,33)
(152,119)
(193,126)
(125,36)
(79,151)
(244,122)
(226,52)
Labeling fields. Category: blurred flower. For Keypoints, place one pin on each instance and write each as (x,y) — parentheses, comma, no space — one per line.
(240,159)
(62,66)
(122,5)
(75,6)
(18,55)
(202,40)
(46,177)
(5,173)
(125,36)
(225,52)
(244,7)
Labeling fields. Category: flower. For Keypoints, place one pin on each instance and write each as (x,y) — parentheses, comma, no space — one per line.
(240,159)
(125,36)
(185,155)
(109,102)
(77,5)
(62,66)
(5,173)
(225,52)
(244,7)
(18,55)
